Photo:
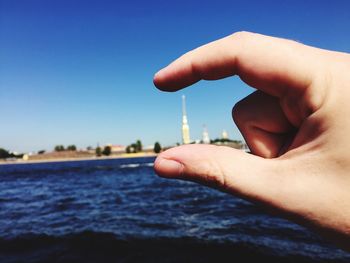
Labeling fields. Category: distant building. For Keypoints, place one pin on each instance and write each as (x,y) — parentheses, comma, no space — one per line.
(115,148)
(205,135)
(185,127)
(224,135)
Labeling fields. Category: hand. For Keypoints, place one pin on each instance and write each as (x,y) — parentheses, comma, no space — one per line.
(297,125)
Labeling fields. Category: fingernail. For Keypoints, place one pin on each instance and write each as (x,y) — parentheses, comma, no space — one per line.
(168,168)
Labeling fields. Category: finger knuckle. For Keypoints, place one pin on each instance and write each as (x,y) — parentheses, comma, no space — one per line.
(241,36)
(215,177)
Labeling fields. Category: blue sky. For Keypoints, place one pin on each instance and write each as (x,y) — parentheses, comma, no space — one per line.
(80,72)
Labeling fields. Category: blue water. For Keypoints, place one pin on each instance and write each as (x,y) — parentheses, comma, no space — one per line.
(81,208)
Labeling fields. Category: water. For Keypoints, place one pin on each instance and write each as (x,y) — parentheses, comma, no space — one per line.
(119,211)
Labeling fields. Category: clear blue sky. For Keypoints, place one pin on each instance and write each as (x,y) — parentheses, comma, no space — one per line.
(81,71)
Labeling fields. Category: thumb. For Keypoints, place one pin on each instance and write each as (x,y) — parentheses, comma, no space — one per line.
(227,169)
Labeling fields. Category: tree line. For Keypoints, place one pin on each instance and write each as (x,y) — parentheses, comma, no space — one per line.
(137,147)
(134,147)
(4,154)
(61,148)
(107,150)
(99,151)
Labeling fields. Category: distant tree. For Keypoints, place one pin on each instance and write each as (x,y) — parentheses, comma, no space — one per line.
(138,146)
(98,151)
(20,155)
(41,152)
(134,148)
(157,148)
(59,148)
(89,148)
(4,154)
(107,150)
(72,148)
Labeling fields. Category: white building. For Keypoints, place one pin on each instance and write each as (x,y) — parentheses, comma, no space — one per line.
(205,135)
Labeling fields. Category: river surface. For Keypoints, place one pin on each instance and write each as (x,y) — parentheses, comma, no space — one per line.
(118,210)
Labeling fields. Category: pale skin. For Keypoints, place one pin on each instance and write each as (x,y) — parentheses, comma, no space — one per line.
(296,124)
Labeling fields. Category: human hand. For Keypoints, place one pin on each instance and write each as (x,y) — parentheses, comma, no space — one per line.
(296,125)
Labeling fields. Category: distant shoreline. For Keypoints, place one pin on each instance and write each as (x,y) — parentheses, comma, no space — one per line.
(59,160)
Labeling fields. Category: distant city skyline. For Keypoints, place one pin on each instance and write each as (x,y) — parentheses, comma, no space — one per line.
(80,72)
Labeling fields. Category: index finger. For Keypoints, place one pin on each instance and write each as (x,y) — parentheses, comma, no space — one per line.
(265,63)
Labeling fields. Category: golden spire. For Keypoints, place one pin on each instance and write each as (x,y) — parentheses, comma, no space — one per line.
(185,128)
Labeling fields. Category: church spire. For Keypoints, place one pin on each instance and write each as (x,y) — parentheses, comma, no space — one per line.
(185,128)
(205,135)
(183,106)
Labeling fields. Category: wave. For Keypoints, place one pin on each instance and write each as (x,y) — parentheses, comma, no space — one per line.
(130,165)
(107,247)
(136,165)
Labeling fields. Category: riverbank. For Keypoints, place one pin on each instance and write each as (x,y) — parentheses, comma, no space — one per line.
(74,159)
